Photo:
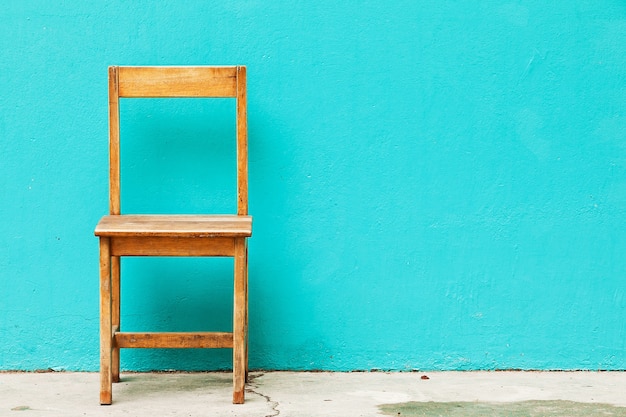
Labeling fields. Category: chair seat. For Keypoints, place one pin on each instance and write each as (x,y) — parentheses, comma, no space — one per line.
(201,226)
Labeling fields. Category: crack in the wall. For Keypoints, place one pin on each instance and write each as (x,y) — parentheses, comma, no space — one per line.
(268,399)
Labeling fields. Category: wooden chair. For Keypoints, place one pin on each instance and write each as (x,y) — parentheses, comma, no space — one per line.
(173,235)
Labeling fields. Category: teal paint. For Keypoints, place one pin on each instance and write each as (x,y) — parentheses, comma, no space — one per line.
(437,185)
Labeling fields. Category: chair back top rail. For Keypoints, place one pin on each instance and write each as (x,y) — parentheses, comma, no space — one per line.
(177,82)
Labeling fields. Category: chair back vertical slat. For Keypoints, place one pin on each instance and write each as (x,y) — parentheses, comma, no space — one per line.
(114,142)
(242,143)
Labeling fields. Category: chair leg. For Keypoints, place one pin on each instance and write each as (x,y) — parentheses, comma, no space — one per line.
(115,315)
(246,306)
(105,322)
(239,323)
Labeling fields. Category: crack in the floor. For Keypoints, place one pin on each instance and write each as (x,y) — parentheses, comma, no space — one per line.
(268,399)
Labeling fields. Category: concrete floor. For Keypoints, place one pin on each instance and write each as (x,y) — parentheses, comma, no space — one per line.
(297,394)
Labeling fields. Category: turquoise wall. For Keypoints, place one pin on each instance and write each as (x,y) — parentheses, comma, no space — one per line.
(435,184)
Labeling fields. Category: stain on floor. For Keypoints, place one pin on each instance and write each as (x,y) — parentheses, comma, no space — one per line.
(516,409)
(21,408)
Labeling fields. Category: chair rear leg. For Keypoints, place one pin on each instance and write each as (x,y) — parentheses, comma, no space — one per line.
(115,315)
(246,346)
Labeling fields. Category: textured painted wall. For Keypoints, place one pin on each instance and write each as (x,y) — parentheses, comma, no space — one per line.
(435,184)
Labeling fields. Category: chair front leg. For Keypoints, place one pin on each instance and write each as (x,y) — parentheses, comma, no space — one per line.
(106,338)
(239,323)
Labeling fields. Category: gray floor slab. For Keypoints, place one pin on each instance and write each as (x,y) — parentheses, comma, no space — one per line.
(293,393)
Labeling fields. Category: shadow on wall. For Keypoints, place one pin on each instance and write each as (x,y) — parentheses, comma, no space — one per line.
(177,156)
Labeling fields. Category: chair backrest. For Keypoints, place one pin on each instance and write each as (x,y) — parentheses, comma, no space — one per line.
(164,82)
